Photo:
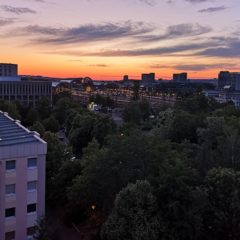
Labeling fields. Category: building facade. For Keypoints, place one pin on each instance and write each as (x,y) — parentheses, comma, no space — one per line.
(148,77)
(180,77)
(26,92)
(229,79)
(22,179)
(8,70)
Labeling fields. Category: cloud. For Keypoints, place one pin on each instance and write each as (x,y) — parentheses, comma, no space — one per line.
(148,2)
(157,51)
(212,9)
(83,33)
(180,30)
(6,21)
(137,31)
(198,1)
(195,67)
(99,65)
(17,10)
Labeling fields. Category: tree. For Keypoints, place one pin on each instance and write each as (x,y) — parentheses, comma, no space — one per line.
(11,109)
(222,215)
(51,124)
(47,230)
(106,170)
(38,127)
(135,215)
(44,108)
(57,154)
(32,117)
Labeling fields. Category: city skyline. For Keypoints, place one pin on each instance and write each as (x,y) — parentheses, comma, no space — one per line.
(106,39)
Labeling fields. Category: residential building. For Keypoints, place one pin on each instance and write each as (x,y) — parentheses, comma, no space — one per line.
(229,79)
(148,77)
(180,77)
(22,179)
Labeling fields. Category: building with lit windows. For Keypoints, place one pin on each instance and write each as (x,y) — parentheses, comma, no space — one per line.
(22,179)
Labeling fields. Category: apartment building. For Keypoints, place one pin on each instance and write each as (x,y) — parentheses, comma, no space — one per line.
(22,179)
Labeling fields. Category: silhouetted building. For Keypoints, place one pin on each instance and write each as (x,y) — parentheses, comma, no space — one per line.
(229,80)
(8,70)
(125,78)
(180,77)
(148,77)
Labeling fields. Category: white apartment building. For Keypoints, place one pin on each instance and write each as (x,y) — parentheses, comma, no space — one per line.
(22,179)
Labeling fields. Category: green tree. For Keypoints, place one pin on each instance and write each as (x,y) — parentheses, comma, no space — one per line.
(135,215)
(51,124)
(38,127)
(57,154)
(222,215)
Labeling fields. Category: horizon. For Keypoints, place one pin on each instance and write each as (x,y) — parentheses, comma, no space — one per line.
(106,39)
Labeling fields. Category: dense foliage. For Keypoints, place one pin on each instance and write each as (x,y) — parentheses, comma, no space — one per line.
(171,176)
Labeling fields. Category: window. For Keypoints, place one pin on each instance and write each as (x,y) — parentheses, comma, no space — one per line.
(31,208)
(10,212)
(10,189)
(10,235)
(32,162)
(32,186)
(10,165)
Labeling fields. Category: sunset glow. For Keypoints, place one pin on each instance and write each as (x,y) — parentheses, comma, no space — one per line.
(106,39)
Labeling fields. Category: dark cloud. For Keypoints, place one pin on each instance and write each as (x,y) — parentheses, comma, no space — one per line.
(213,9)
(228,52)
(84,33)
(195,67)
(138,31)
(180,30)
(158,51)
(17,10)
(201,67)
(6,21)
(99,65)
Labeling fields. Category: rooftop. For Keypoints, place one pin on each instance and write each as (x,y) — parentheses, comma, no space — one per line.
(13,133)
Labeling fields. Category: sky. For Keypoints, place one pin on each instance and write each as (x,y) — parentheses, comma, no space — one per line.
(106,39)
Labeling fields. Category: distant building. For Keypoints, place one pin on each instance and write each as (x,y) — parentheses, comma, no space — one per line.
(22,179)
(125,78)
(229,80)
(148,77)
(180,77)
(28,92)
(8,70)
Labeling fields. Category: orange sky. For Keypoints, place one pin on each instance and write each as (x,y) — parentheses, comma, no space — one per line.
(106,39)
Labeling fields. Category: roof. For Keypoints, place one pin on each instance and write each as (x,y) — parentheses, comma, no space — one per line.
(13,133)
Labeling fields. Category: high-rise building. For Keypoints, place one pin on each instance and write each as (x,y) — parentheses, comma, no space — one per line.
(180,77)
(148,77)
(229,79)
(22,179)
